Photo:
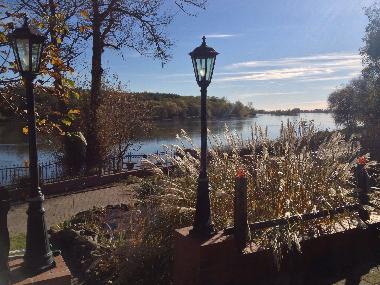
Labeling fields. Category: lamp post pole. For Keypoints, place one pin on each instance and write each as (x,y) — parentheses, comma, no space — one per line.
(28,47)
(203,58)
(202,221)
(38,255)
(203,172)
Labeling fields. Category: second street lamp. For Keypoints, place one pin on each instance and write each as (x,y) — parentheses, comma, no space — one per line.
(28,47)
(203,58)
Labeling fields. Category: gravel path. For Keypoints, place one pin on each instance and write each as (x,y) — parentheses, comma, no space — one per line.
(59,209)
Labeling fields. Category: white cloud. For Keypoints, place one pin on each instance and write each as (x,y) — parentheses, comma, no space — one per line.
(332,78)
(327,67)
(243,96)
(323,67)
(337,59)
(275,74)
(219,36)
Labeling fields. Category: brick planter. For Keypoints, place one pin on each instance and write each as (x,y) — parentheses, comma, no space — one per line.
(59,275)
(218,261)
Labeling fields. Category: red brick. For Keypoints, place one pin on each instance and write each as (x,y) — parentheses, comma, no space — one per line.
(60,275)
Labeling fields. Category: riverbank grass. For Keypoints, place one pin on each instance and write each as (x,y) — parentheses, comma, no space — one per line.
(17,242)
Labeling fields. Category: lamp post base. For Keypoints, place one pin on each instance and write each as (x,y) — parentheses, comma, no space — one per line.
(38,255)
(4,238)
(203,232)
(203,226)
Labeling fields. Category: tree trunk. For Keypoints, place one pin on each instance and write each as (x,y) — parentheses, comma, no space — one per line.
(93,157)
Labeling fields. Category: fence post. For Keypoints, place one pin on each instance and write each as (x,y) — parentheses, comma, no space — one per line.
(4,237)
(362,182)
(240,210)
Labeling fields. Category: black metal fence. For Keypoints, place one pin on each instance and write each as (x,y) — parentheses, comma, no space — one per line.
(57,171)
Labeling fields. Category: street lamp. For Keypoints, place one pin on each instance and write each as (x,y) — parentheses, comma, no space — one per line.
(203,58)
(27,47)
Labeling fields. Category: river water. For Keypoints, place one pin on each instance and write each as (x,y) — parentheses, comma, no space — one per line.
(14,145)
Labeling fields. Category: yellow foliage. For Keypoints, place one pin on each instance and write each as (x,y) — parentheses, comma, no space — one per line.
(3,38)
(66,122)
(84,14)
(74,112)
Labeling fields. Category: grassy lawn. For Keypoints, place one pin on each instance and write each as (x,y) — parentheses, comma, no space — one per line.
(18,242)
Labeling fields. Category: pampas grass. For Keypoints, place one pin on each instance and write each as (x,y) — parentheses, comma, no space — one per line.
(299,172)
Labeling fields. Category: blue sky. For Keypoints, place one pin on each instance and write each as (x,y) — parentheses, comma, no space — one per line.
(277,54)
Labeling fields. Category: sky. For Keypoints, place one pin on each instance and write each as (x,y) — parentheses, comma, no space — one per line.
(277,54)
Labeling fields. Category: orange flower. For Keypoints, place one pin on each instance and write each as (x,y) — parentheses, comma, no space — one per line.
(240,173)
(362,160)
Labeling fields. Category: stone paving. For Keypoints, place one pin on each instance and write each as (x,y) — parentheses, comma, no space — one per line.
(61,208)
(361,276)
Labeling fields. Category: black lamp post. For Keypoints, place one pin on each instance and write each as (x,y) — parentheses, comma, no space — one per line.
(4,237)
(203,58)
(28,46)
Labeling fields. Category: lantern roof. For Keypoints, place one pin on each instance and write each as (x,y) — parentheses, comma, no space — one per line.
(203,51)
(26,32)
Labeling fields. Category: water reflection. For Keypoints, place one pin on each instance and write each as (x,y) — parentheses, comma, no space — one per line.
(14,147)
(165,131)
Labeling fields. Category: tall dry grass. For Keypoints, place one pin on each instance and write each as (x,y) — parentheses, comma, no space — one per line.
(301,171)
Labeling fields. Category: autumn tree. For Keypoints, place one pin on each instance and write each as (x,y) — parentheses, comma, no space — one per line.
(55,19)
(371,50)
(123,121)
(358,103)
(116,24)
(9,79)
(341,103)
(58,21)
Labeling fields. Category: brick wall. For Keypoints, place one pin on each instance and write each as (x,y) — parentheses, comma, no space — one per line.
(217,260)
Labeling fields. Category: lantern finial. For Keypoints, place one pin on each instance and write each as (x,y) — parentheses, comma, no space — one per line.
(204,40)
(26,19)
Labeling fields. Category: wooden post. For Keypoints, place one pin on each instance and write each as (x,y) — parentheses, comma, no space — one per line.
(240,210)
(4,237)
(362,182)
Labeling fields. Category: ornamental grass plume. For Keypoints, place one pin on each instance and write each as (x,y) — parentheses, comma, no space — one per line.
(301,171)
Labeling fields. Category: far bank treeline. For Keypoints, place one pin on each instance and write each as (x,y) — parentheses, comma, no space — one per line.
(161,106)
(172,106)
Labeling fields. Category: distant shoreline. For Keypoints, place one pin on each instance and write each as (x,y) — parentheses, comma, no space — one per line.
(293,112)
(261,112)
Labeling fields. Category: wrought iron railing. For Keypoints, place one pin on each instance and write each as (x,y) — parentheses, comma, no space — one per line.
(56,171)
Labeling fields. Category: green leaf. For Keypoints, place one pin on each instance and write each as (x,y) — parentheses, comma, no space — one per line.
(69,82)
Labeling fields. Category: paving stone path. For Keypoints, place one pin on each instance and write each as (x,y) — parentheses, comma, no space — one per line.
(61,208)
(359,276)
